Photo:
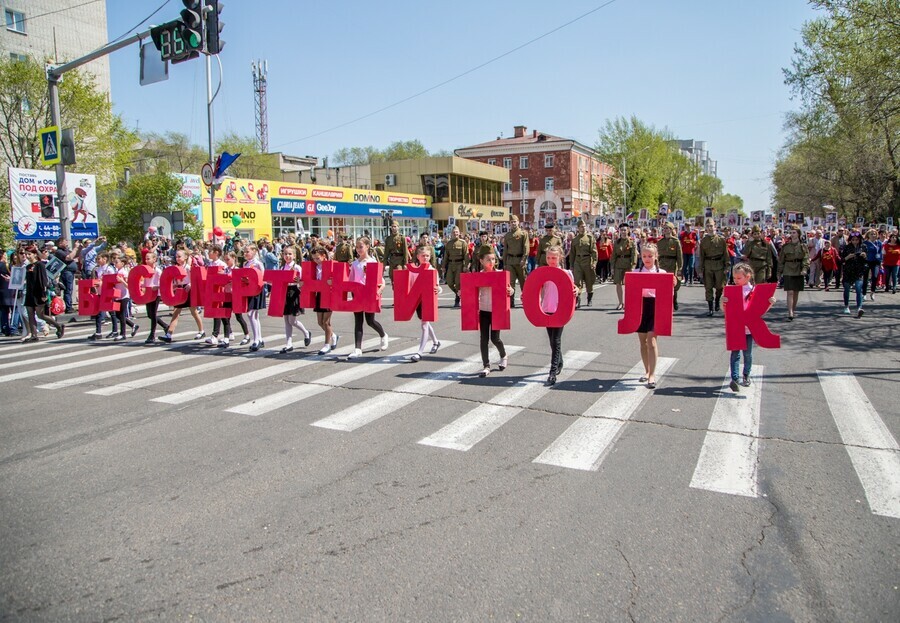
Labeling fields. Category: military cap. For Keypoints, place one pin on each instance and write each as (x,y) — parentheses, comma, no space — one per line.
(550,225)
(671,225)
(709,221)
(755,229)
(513,218)
(395,224)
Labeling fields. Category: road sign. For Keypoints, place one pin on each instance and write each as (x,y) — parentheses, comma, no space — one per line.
(50,145)
(206,174)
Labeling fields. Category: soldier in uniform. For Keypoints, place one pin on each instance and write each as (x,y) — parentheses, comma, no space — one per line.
(396,251)
(624,257)
(547,240)
(711,264)
(758,254)
(583,260)
(671,257)
(515,253)
(482,247)
(454,262)
(343,251)
(793,267)
(425,242)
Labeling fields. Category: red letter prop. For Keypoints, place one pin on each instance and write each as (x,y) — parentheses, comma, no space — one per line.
(88,302)
(531,297)
(498,282)
(108,293)
(198,281)
(279,280)
(663,286)
(365,297)
(736,318)
(407,299)
(169,295)
(245,282)
(311,285)
(215,295)
(139,294)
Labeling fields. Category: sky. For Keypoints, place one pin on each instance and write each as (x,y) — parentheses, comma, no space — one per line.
(703,69)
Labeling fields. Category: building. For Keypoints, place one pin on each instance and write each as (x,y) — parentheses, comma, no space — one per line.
(696,151)
(550,177)
(57,31)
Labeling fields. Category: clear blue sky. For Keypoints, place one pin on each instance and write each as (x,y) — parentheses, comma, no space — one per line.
(705,69)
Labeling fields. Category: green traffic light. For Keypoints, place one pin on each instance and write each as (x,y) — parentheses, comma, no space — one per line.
(193,40)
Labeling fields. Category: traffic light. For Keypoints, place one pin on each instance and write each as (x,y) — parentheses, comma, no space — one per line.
(192,18)
(214,26)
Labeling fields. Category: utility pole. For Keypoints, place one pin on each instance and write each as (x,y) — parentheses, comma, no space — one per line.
(209,121)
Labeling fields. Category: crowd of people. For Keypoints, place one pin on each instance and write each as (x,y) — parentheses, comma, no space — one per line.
(860,261)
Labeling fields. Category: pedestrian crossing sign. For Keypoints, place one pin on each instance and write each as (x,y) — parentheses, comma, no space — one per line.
(50,145)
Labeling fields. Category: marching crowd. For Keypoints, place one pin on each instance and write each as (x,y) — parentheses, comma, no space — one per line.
(862,261)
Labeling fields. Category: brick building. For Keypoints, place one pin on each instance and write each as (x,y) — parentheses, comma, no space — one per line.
(550,177)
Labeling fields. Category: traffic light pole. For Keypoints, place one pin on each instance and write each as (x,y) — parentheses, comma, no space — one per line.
(54,74)
(209,122)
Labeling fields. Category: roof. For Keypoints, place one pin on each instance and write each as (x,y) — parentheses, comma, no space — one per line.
(522,140)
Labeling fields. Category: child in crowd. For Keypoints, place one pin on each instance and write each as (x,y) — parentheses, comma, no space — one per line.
(485,318)
(743,276)
(423,258)
(152,283)
(123,298)
(646,331)
(323,314)
(292,303)
(231,262)
(223,324)
(181,259)
(549,304)
(358,275)
(255,303)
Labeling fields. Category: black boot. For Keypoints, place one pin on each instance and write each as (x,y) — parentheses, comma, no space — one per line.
(551,379)
(675,301)
(559,363)
(512,301)
(718,298)
(710,312)
(456,302)
(578,302)
(590,298)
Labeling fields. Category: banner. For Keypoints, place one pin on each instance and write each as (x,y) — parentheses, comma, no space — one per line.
(35,216)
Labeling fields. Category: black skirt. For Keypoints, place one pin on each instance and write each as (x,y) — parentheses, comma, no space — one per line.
(794,283)
(318,308)
(648,315)
(292,301)
(257,302)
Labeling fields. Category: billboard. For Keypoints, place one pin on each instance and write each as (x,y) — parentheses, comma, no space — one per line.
(190,195)
(35,216)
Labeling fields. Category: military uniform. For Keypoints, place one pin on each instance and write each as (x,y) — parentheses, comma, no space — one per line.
(396,253)
(583,259)
(759,256)
(515,250)
(793,262)
(343,252)
(454,264)
(547,241)
(624,257)
(713,257)
(671,260)
(478,252)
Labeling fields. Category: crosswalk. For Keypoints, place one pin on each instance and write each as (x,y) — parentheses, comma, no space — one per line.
(729,454)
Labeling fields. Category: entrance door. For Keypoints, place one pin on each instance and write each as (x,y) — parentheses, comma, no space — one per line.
(246,234)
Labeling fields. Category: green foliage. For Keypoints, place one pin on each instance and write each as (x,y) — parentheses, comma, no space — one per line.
(171,151)
(7,235)
(252,163)
(398,150)
(727,202)
(145,193)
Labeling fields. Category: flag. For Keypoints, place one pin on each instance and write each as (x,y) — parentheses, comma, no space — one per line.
(222,163)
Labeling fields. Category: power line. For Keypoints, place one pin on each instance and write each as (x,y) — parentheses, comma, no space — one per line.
(454,78)
(34,17)
(136,26)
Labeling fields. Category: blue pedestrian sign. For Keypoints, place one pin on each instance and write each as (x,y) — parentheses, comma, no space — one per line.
(50,145)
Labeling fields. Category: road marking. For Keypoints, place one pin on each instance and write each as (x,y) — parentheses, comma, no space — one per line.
(586,442)
(298,393)
(57,346)
(877,464)
(401,397)
(246,378)
(466,431)
(730,452)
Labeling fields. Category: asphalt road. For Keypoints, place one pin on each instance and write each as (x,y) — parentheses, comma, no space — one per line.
(228,487)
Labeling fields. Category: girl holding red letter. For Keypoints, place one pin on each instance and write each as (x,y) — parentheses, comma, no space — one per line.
(423,257)
(549,305)
(358,275)
(292,304)
(485,318)
(646,332)
(255,303)
(323,314)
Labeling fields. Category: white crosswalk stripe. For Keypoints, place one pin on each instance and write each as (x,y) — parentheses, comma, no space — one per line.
(246,378)
(872,449)
(298,393)
(402,396)
(730,452)
(586,442)
(474,426)
(55,347)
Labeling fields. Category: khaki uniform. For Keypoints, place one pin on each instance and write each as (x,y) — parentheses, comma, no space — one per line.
(793,260)
(343,252)
(624,257)
(759,256)
(479,252)
(515,252)
(713,258)
(546,241)
(454,262)
(671,258)
(583,259)
(396,253)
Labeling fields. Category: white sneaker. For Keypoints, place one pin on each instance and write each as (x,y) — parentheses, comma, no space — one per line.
(503,362)
(485,372)
(356,353)
(384,341)
(231,337)
(847,311)
(212,341)
(859,312)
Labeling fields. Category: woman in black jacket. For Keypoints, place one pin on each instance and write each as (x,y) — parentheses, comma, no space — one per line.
(853,257)
(37,282)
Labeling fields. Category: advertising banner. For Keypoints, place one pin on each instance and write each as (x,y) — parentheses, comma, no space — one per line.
(191,193)
(35,216)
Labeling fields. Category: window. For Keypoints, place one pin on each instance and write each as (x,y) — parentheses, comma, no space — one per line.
(18,57)
(548,183)
(15,21)
(523,184)
(507,187)
(548,161)
(492,161)
(523,162)
(507,163)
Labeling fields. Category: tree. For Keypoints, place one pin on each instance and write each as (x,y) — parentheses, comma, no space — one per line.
(252,163)
(172,150)
(678,182)
(708,188)
(398,150)
(727,202)
(144,193)
(846,74)
(103,141)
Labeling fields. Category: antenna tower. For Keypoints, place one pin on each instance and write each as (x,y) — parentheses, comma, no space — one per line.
(260,72)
